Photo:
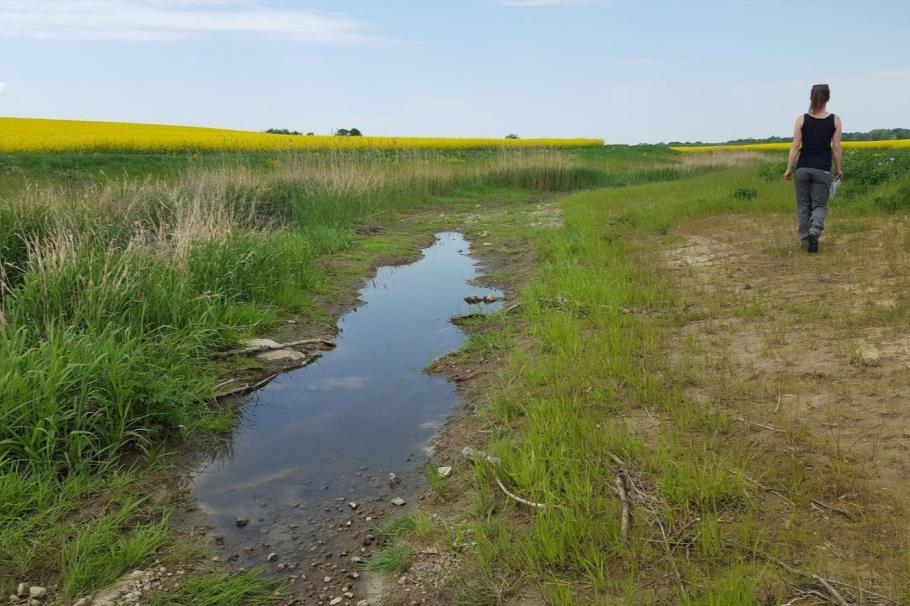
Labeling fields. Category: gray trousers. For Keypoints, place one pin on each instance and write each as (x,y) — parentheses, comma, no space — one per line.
(813,186)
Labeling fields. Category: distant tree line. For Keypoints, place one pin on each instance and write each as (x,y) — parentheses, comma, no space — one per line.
(341,132)
(878,134)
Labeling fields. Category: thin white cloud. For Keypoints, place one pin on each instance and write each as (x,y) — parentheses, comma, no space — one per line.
(172,19)
(2,86)
(631,61)
(524,3)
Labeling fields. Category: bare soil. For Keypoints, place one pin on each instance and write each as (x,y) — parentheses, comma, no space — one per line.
(824,336)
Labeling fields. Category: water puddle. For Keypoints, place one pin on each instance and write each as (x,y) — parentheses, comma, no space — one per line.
(322,436)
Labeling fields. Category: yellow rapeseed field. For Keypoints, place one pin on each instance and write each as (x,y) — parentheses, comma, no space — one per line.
(891,144)
(39,135)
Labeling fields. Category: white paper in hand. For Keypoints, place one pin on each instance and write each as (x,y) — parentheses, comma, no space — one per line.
(835,183)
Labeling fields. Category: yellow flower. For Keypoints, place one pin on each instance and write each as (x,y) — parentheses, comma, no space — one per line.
(37,135)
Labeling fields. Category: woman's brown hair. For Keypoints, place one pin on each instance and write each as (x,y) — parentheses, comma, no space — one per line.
(819,97)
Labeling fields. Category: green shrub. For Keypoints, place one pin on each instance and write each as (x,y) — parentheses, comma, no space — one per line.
(899,201)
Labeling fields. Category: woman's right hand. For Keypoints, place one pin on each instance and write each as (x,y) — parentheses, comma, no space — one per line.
(788,174)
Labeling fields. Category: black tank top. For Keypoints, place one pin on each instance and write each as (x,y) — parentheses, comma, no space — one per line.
(816,149)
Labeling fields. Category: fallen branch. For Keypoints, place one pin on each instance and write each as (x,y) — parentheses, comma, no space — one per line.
(832,592)
(470,375)
(824,505)
(624,497)
(764,487)
(248,351)
(246,388)
(861,590)
(768,427)
(642,501)
(621,480)
(512,307)
(517,498)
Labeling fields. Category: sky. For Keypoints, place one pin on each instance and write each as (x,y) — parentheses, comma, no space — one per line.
(628,71)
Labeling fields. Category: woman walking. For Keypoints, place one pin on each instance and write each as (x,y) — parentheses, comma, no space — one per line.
(816,138)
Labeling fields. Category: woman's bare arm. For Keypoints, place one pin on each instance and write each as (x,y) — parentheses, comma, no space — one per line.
(836,149)
(794,147)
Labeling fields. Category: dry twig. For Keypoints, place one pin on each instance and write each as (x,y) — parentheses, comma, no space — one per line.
(248,351)
(518,498)
(764,487)
(843,512)
(768,427)
(623,496)
(246,388)
(833,594)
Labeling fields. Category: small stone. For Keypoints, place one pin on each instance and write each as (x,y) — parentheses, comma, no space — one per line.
(272,557)
(281,355)
(355,575)
(22,590)
(348,523)
(337,600)
(37,593)
(357,560)
(398,502)
(326,579)
(368,519)
(869,355)
(348,594)
(216,559)
(352,505)
(241,522)
(393,480)
(444,472)
(83,602)
(363,603)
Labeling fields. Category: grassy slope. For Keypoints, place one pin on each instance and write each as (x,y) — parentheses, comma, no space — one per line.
(605,376)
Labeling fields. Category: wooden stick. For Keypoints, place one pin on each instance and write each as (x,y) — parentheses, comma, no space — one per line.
(832,592)
(262,348)
(824,505)
(623,496)
(512,308)
(246,388)
(768,427)
(763,487)
(517,498)
(861,590)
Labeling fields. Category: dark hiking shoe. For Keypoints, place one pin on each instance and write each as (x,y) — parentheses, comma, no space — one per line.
(812,243)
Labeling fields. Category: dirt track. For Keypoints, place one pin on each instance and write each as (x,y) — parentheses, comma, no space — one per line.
(815,342)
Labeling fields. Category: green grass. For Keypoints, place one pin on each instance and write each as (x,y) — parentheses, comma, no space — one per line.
(566,406)
(215,589)
(122,273)
(44,527)
(420,524)
(390,559)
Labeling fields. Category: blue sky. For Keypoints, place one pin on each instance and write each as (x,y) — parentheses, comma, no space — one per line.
(628,71)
